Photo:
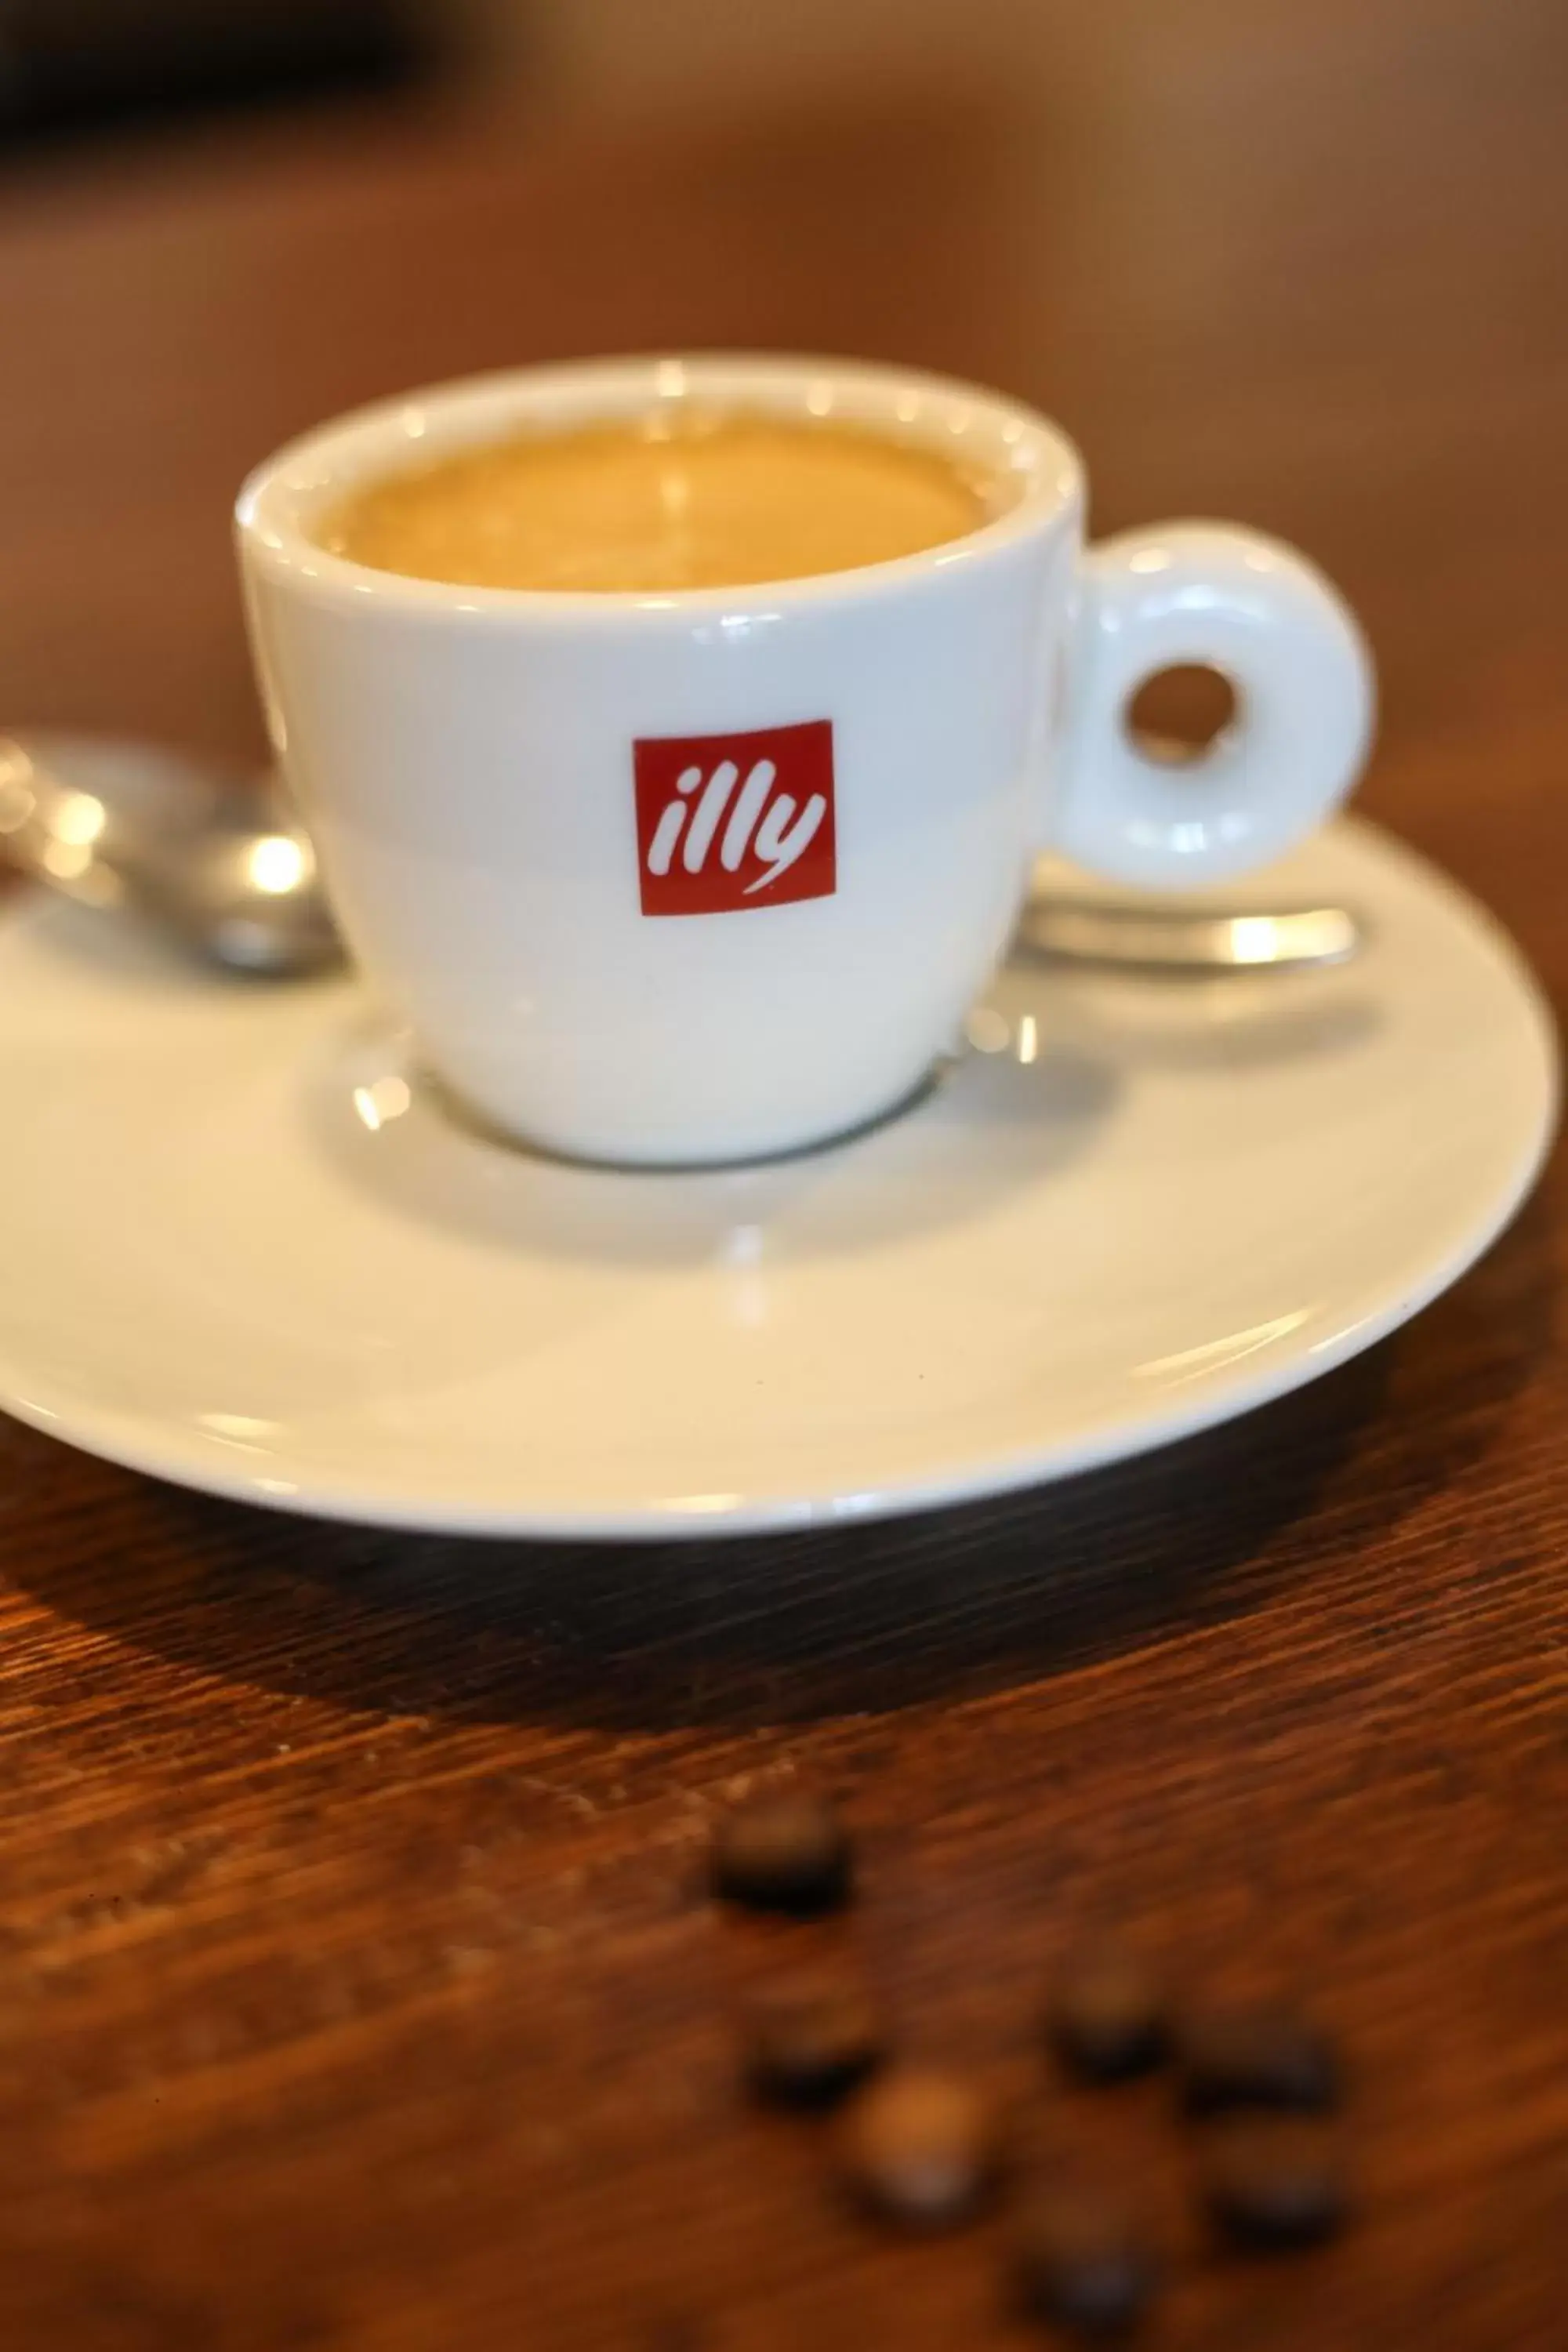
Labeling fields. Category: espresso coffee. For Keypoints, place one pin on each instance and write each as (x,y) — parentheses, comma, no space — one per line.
(664,503)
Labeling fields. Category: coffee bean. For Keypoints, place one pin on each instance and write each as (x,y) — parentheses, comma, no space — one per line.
(1082,2262)
(921,2147)
(1274,2184)
(1254,2058)
(1107,2016)
(785,1853)
(812,2036)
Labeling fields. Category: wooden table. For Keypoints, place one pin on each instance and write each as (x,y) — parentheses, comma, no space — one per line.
(358,1987)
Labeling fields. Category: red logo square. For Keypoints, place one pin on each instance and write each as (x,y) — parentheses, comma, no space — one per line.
(729,822)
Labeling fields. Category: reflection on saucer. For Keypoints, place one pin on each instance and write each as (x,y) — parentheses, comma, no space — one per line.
(980,1126)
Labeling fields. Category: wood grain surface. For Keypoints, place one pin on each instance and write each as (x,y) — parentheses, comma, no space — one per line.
(359,1987)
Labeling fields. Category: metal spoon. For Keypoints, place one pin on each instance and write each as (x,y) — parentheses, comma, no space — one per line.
(217,861)
(1187,938)
(223,866)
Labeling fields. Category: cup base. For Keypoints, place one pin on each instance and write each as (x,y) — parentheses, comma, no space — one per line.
(463,1112)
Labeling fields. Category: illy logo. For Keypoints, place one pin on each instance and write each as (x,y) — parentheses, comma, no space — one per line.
(728,822)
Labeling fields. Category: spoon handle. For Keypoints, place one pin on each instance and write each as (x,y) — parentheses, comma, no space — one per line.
(1170,939)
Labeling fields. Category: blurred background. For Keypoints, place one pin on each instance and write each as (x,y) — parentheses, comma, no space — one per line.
(1301,264)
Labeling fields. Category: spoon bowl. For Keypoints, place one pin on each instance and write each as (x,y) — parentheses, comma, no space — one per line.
(217,861)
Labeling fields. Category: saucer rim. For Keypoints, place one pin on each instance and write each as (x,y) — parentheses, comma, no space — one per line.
(114,1438)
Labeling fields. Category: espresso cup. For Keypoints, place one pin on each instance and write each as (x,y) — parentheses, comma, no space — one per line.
(712,874)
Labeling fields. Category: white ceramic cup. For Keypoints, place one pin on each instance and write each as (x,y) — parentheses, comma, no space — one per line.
(712,874)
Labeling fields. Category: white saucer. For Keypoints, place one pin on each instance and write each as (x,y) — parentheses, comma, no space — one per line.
(241,1252)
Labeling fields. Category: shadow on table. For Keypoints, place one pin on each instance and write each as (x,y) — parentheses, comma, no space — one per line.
(658,1638)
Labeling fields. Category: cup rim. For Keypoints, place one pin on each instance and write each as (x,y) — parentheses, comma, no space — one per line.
(273,505)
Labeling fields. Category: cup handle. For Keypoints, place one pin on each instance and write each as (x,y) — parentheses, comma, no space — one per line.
(1268,620)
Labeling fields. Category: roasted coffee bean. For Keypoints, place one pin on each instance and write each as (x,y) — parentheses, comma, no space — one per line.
(1107,2016)
(812,2036)
(921,2147)
(1082,2262)
(1254,2058)
(784,1852)
(1274,2183)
